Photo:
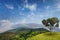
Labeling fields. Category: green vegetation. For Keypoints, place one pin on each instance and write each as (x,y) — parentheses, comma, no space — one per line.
(51,23)
(34,34)
(22,35)
(46,36)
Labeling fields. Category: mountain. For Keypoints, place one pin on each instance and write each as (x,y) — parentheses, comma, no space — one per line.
(26,27)
(24,31)
(21,33)
(30,26)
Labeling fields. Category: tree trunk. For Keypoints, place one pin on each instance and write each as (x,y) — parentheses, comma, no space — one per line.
(50,30)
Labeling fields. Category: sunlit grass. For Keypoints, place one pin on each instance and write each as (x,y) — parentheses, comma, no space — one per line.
(46,36)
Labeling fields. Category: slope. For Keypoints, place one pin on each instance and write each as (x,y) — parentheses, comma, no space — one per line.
(46,36)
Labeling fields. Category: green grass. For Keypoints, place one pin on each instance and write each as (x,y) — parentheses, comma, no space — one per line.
(46,36)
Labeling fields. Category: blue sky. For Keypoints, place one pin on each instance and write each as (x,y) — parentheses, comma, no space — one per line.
(27,11)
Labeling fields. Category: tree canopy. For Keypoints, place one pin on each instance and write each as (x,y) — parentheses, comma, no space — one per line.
(51,22)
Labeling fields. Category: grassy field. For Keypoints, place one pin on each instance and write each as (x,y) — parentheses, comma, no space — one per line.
(46,36)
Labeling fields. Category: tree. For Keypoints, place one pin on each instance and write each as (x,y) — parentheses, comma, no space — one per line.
(51,23)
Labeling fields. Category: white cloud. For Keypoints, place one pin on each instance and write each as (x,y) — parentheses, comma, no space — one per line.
(31,14)
(9,6)
(41,16)
(31,7)
(36,18)
(23,21)
(26,1)
(47,7)
(58,7)
(43,1)
(22,14)
(56,1)
(5,25)
(31,18)
(4,22)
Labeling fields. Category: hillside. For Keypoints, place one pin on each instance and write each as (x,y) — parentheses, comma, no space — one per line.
(46,36)
(21,34)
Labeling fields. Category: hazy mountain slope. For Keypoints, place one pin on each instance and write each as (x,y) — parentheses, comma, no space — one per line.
(30,26)
(20,34)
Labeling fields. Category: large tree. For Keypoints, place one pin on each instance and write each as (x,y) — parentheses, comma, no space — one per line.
(51,23)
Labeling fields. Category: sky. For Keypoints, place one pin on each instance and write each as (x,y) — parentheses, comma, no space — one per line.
(27,11)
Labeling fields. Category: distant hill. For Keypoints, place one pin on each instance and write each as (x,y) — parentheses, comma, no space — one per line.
(22,26)
(29,26)
(22,33)
(27,29)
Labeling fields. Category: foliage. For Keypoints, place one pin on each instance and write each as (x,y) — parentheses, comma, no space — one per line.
(21,35)
(51,22)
